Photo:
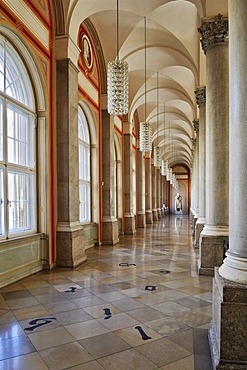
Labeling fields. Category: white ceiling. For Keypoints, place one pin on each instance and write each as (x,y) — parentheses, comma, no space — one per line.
(173,55)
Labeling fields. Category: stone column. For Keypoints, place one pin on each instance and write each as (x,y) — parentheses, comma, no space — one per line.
(158,193)
(70,248)
(154,194)
(129,218)
(109,221)
(148,189)
(201,102)
(196,178)
(193,186)
(228,330)
(140,185)
(214,38)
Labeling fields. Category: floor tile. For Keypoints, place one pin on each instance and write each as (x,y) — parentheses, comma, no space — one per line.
(30,312)
(72,317)
(127,360)
(10,330)
(86,329)
(167,326)
(145,314)
(163,351)
(128,304)
(186,363)
(50,338)
(65,356)
(133,336)
(118,321)
(31,361)
(15,346)
(92,365)
(171,308)
(104,345)
(99,311)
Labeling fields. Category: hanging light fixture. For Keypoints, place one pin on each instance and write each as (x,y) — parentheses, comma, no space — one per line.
(157,156)
(145,127)
(117,82)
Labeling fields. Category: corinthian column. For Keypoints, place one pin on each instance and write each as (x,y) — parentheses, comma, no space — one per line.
(201,102)
(196,178)
(154,194)
(214,39)
(148,188)
(140,189)
(228,330)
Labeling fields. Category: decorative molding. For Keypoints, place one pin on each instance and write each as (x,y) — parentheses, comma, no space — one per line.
(30,20)
(200,93)
(196,125)
(213,31)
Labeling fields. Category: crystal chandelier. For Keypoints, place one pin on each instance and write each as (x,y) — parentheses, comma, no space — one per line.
(145,137)
(145,127)
(164,167)
(157,157)
(117,83)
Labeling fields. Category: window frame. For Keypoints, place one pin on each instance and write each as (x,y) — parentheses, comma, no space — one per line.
(27,172)
(84,180)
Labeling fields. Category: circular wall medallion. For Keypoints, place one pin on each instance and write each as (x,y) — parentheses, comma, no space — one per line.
(87,51)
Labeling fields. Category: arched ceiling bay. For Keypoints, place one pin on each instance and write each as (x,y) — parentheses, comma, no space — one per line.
(173,54)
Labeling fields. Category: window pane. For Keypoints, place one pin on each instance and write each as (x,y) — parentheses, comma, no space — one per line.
(17,82)
(83,133)
(1,203)
(84,190)
(1,130)
(84,162)
(21,196)
(1,65)
(20,137)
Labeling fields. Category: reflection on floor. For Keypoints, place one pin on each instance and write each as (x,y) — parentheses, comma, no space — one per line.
(137,305)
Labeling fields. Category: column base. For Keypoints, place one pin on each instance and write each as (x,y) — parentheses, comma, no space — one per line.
(211,249)
(228,329)
(141,220)
(155,215)
(70,247)
(198,229)
(159,213)
(110,232)
(194,220)
(129,224)
(149,217)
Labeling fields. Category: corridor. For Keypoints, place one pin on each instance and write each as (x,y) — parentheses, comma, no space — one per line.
(137,305)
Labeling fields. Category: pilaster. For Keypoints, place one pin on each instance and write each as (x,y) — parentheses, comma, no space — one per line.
(70,248)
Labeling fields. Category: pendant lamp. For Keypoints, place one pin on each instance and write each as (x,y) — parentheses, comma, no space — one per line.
(117,82)
(146,126)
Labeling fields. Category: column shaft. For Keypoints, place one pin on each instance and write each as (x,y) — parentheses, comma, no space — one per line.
(109,221)
(140,185)
(148,189)
(70,235)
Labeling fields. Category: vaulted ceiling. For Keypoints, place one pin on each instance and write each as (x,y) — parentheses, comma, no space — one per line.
(175,63)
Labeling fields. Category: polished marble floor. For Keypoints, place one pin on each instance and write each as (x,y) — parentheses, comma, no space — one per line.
(138,305)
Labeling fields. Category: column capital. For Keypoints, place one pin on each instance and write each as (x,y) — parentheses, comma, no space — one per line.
(200,94)
(196,125)
(213,31)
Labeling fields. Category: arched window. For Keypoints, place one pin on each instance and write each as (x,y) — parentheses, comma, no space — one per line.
(84,167)
(17,146)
